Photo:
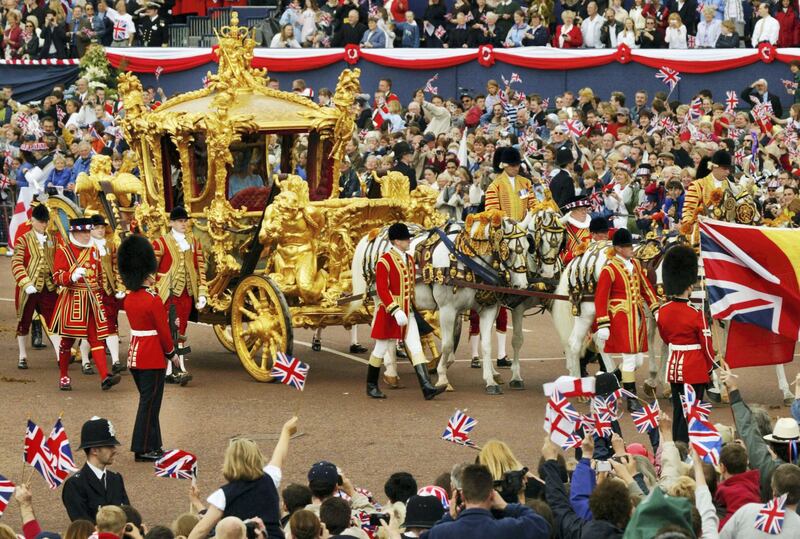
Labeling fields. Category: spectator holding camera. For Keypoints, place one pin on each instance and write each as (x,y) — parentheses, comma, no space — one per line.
(484,513)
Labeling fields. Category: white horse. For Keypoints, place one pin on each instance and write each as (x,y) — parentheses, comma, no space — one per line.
(580,278)
(545,234)
(495,243)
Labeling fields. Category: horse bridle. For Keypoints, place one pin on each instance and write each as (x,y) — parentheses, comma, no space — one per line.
(556,231)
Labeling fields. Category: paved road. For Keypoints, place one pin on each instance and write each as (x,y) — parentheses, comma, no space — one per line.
(368,439)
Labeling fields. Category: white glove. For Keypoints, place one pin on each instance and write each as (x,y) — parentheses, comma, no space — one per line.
(201,302)
(30,289)
(603,334)
(78,274)
(119,295)
(401,318)
(655,315)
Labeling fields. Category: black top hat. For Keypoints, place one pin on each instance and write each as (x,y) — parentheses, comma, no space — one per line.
(41,213)
(423,512)
(98,220)
(80,224)
(598,225)
(564,156)
(679,269)
(722,158)
(98,432)
(402,148)
(399,231)
(178,213)
(505,156)
(622,238)
(136,260)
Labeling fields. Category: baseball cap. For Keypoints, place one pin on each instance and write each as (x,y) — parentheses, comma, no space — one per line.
(323,471)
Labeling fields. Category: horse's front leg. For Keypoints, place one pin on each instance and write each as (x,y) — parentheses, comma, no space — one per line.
(487,318)
(517,315)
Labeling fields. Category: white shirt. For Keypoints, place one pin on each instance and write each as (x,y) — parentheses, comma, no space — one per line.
(767,29)
(676,37)
(590,28)
(708,33)
(99,472)
(626,262)
(180,239)
(127,20)
(628,37)
(100,243)
(217,498)
(41,237)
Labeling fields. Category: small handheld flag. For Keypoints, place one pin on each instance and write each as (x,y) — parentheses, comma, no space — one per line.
(177,464)
(58,443)
(770,517)
(458,428)
(731,101)
(6,491)
(159,70)
(646,419)
(290,371)
(668,76)
(38,455)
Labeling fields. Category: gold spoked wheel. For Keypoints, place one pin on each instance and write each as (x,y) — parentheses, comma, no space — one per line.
(225,337)
(62,210)
(261,325)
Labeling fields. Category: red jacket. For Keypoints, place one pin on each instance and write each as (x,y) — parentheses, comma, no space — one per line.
(576,38)
(394,282)
(787,35)
(398,10)
(736,491)
(619,304)
(681,325)
(146,314)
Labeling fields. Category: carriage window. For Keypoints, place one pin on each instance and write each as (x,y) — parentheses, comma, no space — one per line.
(171,167)
(248,178)
(198,153)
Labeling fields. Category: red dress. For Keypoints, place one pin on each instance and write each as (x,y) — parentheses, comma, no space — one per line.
(394,282)
(619,303)
(151,339)
(691,354)
(576,38)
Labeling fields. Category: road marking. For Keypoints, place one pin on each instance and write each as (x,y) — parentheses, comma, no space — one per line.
(6,299)
(523,329)
(336,352)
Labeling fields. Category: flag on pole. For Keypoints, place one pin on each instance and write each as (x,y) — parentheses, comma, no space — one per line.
(159,70)
(771,515)
(20,221)
(290,371)
(429,87)
(515,78)
(646,419)
(177,464)
(58,443)
(668,76)
(731,101)
(569,386)
(6,491)
(38,455)
(458,429)
(692,407)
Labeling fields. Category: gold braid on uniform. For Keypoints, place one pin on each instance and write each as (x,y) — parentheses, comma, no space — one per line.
(481,242)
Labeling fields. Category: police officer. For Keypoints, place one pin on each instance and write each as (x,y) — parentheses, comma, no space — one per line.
(152,28)
(95,485)
(151,343)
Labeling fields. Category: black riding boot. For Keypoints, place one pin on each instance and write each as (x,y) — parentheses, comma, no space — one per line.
(633,404)
(372,383)
(36,334)
(428,390)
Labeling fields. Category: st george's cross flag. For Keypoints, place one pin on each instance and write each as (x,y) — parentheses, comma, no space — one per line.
(569,386)
(458,429)
(646,419)
(753,279)
(289,370)
(177,464)
(58,443)
(38,455)
(771,516)
(6,491)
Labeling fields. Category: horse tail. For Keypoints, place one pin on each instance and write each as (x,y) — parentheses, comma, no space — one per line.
(561,312)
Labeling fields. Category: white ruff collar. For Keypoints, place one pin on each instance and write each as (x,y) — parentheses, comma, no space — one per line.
(74,241)
(574,222)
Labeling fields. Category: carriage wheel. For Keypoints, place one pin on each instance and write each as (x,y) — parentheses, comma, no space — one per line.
(261,325)
(62,210)
(225,337)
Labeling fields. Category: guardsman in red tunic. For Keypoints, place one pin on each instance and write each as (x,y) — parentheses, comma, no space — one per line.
(181,278)
(619,300)
(112,293)
(684,329)
(395,277)
(32,266)
(576,227)
(151,343)
(79,311)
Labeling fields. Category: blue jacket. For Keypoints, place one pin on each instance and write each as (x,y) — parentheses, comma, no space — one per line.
(583,483)
(59,178)
(518,522)
(375,38)
(410,37)
(81,165)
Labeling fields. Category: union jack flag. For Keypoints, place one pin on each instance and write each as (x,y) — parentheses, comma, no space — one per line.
(515,78)
(38,455)
(60,114)
(6,491)
(159,70)
(669,76)
(290,371)
(562,406)
(692,407)
(770,516)
(705,439)
(545,103)
(691,42)
(667,125)
(58,443)
(695,109)
(439,492)
(429,87)
(603,425)
(120,30)
(94,134)
(646,419)
(789,84)
(605,406)
(206,81)
(5,183)
(177,464)
(731,101)
(738,157)
(440,32)
(458,428)
(575,127)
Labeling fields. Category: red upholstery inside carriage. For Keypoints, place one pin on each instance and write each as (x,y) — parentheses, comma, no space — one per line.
(253,198)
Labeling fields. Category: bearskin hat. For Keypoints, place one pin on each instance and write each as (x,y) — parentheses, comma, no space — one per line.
(136,260)
(504,156)
(679,269)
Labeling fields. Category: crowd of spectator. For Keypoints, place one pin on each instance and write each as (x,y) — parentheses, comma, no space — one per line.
(44,29)
(665,491)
